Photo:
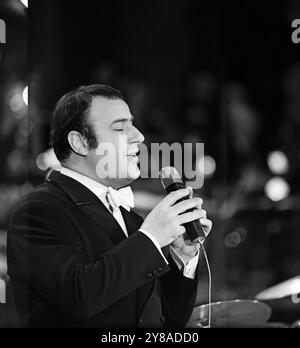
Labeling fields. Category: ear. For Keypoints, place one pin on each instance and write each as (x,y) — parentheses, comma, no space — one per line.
(78,143)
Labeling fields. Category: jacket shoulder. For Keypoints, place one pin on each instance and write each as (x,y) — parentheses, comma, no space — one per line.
(46,195)
(45,192)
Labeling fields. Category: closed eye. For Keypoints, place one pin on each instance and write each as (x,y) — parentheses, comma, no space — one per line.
(118,125)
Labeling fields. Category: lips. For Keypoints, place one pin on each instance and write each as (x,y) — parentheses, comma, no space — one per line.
(134,154)
(134,157)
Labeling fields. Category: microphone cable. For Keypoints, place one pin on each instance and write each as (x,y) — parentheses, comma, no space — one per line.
(209,285)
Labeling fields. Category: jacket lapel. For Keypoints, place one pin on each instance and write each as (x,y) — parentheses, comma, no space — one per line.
(132,220)
(105,221)
(89,204)
(94,209)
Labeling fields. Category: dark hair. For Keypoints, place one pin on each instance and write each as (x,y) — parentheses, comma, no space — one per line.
(71,113)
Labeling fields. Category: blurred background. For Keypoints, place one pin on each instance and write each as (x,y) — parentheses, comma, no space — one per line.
(226,74)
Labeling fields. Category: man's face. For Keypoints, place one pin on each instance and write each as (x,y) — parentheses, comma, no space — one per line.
(115,159)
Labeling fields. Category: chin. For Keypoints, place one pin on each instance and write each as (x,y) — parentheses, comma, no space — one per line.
(128,179)
(133,172)
(133,175)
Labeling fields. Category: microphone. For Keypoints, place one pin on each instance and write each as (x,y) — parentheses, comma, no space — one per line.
(171,181)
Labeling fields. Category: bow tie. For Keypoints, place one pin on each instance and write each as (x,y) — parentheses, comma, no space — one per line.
(122,197)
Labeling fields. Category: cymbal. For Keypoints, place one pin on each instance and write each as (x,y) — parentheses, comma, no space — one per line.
(233,314)
(295,325)
(287,288)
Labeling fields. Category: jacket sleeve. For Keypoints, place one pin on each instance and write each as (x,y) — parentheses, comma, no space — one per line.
(52,258)
(178,296)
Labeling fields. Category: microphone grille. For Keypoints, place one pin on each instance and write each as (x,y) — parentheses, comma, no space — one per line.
(169,175)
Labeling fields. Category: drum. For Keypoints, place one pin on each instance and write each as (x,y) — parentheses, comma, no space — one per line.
(231,314)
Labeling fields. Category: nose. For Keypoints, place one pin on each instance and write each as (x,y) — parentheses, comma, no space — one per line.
(137,136)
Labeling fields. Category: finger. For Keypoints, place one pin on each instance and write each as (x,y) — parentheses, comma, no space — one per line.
(188,217)
(190,191)
(207,225)
(184,247)
(183,206)
(189,243)
(180,231)
(205,222)
(178,242)
(202,214)
(200,205)
(174,196)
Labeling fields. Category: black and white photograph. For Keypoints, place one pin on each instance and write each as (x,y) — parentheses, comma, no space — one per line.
(150,164)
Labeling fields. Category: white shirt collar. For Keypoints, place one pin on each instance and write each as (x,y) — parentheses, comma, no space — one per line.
(122,197)
(98,189)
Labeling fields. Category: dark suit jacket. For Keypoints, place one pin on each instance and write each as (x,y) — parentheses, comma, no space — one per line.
(71,265)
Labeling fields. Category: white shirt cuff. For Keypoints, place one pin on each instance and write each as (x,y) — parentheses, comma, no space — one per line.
(189,268)
(155,242)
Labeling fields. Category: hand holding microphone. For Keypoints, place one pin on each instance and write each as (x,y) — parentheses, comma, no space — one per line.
(176,214)
(171,181)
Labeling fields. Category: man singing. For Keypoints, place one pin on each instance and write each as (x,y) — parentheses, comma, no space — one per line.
(78,255)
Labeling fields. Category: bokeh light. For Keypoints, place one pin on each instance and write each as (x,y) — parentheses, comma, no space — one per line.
(278,163)
(46,160)
(277,189)
(232,240)
(207,164)
(16,103)
(25,95)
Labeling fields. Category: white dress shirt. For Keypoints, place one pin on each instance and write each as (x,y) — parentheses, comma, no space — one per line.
(100,191)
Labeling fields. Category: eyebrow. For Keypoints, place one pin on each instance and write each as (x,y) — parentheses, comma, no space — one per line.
(122,120)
